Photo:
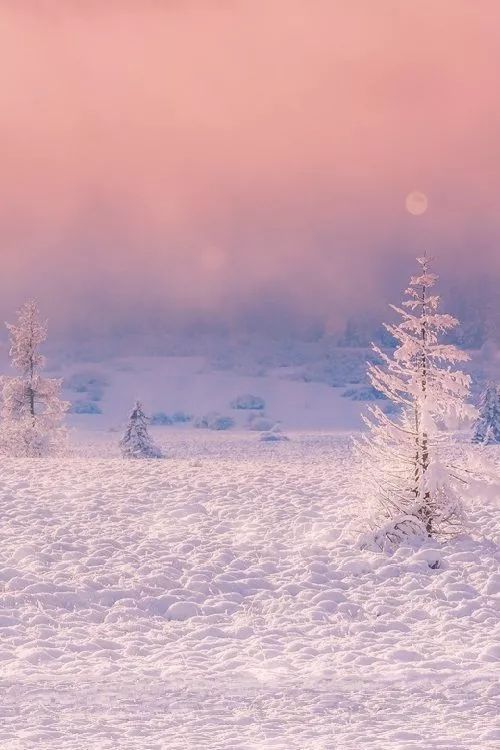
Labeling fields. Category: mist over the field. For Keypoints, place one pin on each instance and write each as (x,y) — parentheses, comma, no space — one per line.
(212,165)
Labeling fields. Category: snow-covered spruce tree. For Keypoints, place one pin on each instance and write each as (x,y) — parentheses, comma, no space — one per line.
(136,442)
(32,411)
(406,474)
(487,425)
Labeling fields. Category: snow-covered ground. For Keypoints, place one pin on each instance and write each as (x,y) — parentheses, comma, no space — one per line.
(194,386)
(215,600)
(301,394)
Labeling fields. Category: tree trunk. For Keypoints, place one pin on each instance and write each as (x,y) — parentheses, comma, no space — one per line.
(426,509)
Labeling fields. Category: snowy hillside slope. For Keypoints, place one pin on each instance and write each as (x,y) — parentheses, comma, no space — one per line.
(214,600)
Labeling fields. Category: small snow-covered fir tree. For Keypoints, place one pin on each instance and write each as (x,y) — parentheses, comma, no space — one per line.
(487,426)
(136,442)
(32,411)
(405,472)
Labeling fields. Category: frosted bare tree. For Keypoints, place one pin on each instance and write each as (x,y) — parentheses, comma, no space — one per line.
(136,442)
(32,411)
(412,487)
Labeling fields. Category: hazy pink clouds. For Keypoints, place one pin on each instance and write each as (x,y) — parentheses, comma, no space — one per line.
(208,153)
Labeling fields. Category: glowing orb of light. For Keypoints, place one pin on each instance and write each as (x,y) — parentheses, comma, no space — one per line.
(416,203)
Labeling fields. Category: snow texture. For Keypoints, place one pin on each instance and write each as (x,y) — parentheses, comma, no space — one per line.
(215,601)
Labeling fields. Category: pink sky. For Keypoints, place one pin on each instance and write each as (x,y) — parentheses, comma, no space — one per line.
(209,154)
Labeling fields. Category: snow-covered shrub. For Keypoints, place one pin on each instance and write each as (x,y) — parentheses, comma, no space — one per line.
(248,401)
(364,393)
(260,423)
(181,417)
(221,423)
(178,417)
(273,436)
(201,423)
(32,411)
(405,474)
(136,442)
(91,384)
(214,421)
(83,406)
(161,418)
(338,367)
(487,426)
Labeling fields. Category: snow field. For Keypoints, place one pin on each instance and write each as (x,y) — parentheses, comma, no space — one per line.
(191,385)
(215,600)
